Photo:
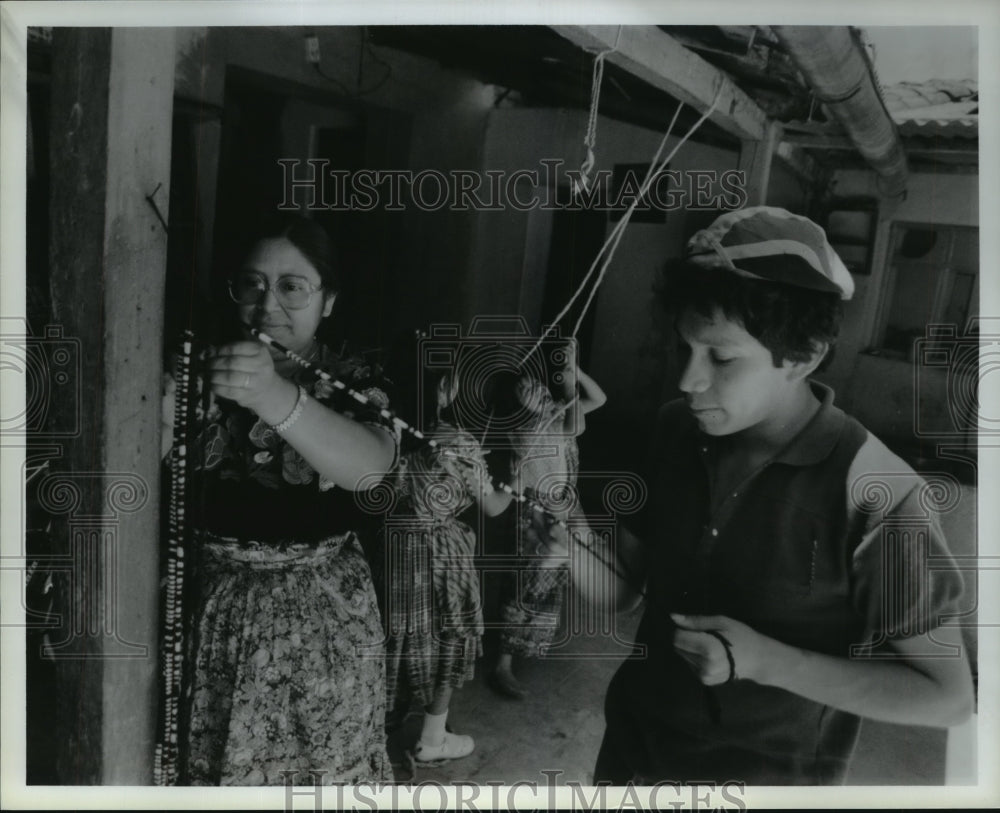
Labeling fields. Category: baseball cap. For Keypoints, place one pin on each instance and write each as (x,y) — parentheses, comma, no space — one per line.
(769,243)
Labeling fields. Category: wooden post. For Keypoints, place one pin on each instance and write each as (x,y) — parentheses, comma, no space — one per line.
(755,161)
(112,92)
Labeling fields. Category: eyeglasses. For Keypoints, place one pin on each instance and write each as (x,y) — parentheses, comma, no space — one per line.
(294,293)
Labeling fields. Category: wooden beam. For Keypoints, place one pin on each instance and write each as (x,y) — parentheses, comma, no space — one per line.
(943,167)
(819,142)
(799,162)
(81,65)
(143,64)
(843,143)
(755,161)
(110,144)
(970,153)
(659,60)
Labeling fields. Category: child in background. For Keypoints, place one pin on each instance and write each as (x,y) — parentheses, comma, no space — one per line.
(434,612)
(545,466)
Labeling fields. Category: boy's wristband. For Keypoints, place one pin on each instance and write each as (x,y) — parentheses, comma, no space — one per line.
(729,653)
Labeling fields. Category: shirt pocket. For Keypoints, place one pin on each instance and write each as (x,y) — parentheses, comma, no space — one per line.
(782,551)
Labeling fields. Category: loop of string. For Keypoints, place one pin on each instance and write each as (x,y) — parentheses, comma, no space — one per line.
(590,139)
(520,497)
(607,251)
(655,169)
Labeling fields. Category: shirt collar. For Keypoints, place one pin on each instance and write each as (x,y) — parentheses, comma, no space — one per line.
(816,440)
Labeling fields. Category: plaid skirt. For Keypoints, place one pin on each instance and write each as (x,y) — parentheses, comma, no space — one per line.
(532,608)
(287,671)
(433,612)
(532,611)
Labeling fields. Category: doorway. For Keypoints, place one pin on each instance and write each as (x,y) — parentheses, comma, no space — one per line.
(577,237)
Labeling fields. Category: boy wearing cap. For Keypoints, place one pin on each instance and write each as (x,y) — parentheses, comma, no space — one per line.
(783,602)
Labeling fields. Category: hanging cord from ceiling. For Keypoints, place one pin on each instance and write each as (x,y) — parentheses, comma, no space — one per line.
(607,251)
(590,138)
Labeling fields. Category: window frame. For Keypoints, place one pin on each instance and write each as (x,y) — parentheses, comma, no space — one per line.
(944,285)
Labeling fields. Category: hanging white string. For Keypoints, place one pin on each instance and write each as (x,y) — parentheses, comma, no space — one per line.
(590,139)
(619,227)
(520,497)
(607,251)
(654,171)
(558,412)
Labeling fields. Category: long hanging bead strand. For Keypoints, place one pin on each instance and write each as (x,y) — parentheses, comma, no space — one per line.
(165,766)
(404,426)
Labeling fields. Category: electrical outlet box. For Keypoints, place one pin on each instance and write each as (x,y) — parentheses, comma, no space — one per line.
(312,50)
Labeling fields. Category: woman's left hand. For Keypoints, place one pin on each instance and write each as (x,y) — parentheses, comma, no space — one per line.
(697,641)
(244,372)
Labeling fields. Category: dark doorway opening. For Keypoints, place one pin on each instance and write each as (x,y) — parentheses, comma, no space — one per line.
(577,237)
(266,121)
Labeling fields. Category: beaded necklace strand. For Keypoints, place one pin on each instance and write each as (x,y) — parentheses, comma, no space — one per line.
(166,756)
(389,415)
(165,764)
(165,769)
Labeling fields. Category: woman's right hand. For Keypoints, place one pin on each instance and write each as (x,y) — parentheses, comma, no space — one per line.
(244,372)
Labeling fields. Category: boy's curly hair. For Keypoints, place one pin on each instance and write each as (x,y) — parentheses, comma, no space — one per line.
(789,321)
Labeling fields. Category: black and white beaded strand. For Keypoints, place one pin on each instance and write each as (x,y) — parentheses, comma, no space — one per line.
(389,415)
(165,767)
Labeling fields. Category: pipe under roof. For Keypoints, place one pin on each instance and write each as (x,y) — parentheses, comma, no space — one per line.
(831,60)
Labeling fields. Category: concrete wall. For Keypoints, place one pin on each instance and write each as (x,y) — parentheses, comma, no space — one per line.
(453,266)
(786,189)
(628,355)
(447,115)
(880,391)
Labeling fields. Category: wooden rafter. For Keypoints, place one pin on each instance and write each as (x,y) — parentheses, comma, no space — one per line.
(661,61)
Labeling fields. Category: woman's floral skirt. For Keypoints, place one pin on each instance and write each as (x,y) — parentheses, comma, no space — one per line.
(288,670)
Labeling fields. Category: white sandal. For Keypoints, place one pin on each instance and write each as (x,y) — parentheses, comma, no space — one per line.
(453,746)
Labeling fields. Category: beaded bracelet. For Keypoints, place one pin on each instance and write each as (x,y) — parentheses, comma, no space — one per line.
(294,414)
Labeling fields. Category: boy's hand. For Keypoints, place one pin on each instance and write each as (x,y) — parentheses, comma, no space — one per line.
(548,539)
(702,641)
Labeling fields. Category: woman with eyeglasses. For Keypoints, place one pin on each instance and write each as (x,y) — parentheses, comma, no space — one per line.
(285,668)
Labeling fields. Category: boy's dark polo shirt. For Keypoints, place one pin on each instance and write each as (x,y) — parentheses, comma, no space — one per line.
(793,554)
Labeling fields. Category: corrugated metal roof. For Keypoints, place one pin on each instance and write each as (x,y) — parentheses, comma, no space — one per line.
(948,120)
(934,92)
(943,128)
(958,111)
(937,108)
